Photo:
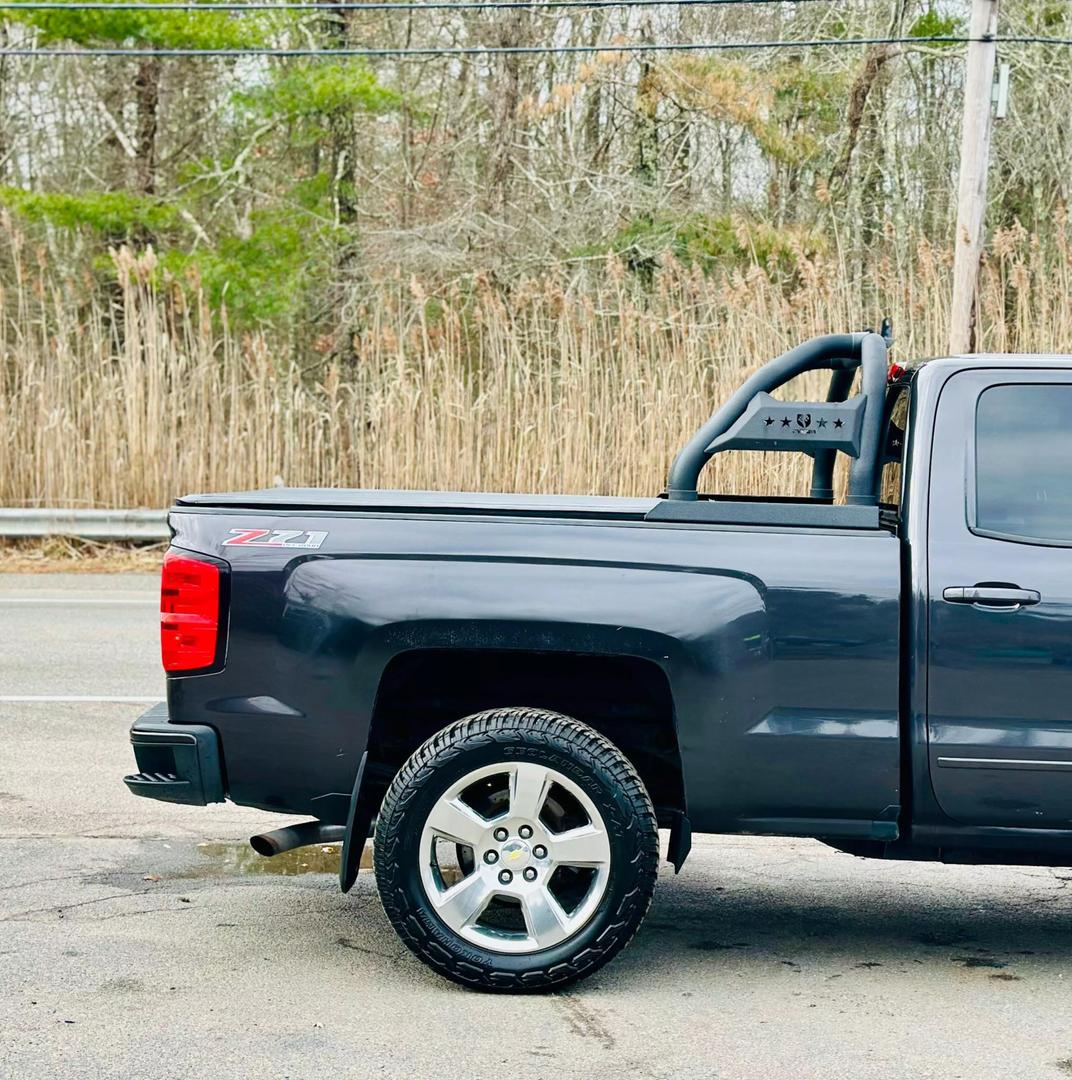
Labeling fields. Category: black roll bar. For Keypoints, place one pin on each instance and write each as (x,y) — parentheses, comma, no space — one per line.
(841,353)
(822,473)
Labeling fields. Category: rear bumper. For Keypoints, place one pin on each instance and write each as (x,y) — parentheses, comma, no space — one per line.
(176,762)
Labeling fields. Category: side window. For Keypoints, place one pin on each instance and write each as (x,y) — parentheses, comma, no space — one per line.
(1023,462)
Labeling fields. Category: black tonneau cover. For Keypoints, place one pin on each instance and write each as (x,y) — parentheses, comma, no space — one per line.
(741,510)
(425,502)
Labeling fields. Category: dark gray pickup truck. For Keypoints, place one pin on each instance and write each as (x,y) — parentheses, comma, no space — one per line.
(519,690)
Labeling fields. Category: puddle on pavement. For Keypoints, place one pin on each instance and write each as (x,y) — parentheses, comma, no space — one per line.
(238,858)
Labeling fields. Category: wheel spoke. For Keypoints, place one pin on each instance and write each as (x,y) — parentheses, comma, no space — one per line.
(548,924)
(453,820)
(461,904)
(529,785)
(586,846)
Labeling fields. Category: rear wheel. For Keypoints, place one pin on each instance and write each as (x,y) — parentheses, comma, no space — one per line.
(516,851)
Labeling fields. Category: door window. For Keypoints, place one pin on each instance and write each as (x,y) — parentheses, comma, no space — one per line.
(1023,463)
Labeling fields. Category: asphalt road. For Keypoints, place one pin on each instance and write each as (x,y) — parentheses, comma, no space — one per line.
(141,940)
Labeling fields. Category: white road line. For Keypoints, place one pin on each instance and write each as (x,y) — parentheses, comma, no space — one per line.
(11,699)
(68,601)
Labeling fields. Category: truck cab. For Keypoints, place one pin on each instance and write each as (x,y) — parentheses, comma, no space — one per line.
(987,529)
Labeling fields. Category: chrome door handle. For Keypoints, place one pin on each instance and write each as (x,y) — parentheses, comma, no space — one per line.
(991,596)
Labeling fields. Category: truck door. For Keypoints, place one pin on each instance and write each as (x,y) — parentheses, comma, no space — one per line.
(999,696)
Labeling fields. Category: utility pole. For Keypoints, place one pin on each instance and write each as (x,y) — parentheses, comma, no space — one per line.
(974,157)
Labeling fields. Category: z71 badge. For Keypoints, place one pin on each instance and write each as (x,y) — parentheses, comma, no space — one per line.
(275,538)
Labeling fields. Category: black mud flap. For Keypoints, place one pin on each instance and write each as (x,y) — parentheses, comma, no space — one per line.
(358,821)
(680,841)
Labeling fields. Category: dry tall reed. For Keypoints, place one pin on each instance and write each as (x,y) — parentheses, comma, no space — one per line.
(582,383)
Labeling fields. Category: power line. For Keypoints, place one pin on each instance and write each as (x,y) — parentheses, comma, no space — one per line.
(1028,39)
(530,50)
(500,50)
(328,6)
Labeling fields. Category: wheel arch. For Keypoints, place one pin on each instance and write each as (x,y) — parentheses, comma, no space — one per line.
(626,698)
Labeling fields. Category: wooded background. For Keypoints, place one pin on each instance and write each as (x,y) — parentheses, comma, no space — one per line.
(535,271)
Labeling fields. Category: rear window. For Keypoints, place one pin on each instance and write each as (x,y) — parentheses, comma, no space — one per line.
(1023,462)
(893,456)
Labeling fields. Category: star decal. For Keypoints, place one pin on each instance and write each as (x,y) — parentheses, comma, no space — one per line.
(785,421)
(769,421)
(839,423)
(822,423)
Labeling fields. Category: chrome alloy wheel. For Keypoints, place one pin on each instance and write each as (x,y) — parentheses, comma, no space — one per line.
(533,857)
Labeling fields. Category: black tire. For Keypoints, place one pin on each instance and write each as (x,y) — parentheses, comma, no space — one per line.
(511,735)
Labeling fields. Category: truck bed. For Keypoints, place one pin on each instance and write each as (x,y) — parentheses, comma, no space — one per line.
(797,629)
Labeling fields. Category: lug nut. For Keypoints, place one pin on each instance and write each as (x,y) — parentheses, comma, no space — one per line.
(525,832)
(540,851)
(491,856)
(501,834)
(505,877)
(530,873)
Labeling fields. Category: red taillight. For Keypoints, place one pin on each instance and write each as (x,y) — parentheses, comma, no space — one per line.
(189,612)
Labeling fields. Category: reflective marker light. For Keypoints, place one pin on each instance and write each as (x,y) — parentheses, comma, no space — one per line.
(189,612)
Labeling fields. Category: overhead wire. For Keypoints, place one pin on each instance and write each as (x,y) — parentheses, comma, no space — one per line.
(327,6)
(505,50)
(368,52)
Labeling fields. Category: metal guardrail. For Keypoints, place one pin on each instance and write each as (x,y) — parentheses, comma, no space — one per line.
(85,524)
